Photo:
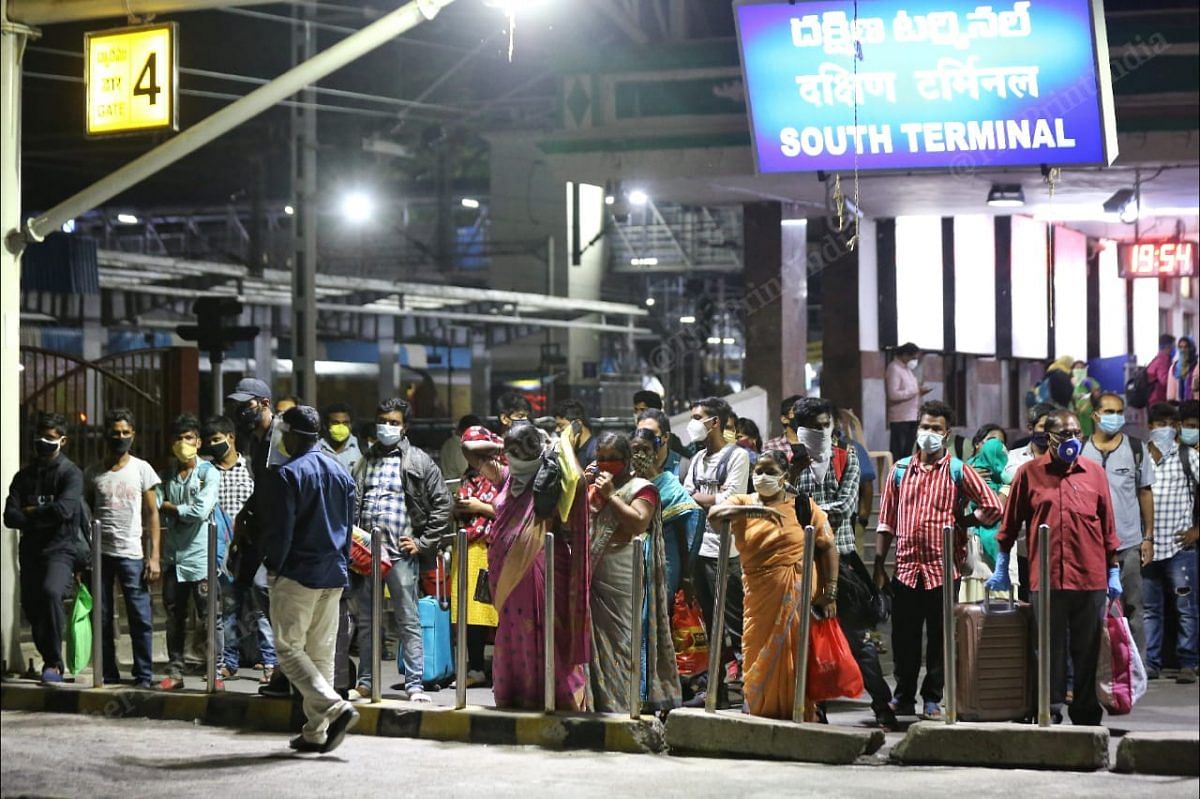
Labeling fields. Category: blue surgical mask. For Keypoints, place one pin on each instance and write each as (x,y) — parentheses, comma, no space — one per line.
(929,441)
(389,434)
(1189,436)
(1112,423)
(1068,449)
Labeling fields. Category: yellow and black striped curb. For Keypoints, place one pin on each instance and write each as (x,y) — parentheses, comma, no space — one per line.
(390,719)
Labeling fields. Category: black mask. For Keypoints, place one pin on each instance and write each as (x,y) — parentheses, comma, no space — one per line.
(45,448)
(216,451)
(1040,439)
(248,417)
(118,445)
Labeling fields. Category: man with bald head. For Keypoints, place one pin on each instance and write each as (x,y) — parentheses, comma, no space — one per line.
(1069,494)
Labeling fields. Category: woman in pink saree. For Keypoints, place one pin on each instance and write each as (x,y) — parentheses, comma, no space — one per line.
(517,571)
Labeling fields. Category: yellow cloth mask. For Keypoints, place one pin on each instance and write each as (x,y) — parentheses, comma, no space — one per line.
(183,451)
(339,432)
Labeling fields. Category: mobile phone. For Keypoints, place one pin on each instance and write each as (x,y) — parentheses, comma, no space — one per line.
(577,427)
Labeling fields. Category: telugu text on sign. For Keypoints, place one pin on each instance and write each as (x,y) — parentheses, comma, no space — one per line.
(131,79)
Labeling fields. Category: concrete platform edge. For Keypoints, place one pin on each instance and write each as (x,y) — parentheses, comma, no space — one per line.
(692,731)
(1175,754)
(999,745)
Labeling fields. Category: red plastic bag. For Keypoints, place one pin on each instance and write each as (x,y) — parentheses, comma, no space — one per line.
(687,631)
(360,554)
(832,670)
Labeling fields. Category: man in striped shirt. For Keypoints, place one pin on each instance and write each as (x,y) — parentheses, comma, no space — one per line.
(921,496)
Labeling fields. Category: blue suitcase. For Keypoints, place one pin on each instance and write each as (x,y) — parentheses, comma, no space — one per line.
(435,635)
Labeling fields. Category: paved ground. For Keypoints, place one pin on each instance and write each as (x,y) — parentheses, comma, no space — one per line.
(50,755)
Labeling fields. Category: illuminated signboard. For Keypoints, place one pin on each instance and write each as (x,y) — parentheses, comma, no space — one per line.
(1158,259)
(912,84)
(132,79)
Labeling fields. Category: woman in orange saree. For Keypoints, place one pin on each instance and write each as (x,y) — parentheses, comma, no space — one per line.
(770,541)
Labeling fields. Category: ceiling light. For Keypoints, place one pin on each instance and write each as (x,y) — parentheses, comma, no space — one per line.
(687,320)
(1009,195)
(609,199)
(127,219)
(792,222)
(648,261)
(357,207)
(728,341)
(713,340)
(289,210)
(470,202)
(649,302)
(638,197)
(68,226)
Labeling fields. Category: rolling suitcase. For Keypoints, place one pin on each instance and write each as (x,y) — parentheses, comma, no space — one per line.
(994,663)
(435,636)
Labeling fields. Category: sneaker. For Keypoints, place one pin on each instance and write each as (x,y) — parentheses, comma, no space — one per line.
(358,695)
(338,729)
(305,746)
(886,720)
(1186,677)
(932,712)
(171,684)
(475,677)
(52,675)
(419,695)
(899,708)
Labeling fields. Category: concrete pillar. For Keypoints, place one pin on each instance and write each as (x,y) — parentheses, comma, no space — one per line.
(481,375)
(843,370)
(12,45)
(264,344)
(776,303)
(584,278)
(389,363)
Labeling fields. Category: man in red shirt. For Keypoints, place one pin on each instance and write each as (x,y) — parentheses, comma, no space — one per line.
(921,496)
(1159,369)
(1070,495)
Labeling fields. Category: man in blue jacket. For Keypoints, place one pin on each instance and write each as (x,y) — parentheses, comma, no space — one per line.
(310,503)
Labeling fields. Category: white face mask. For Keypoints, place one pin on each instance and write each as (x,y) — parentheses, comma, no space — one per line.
(389,434)
(914,363)
(1164,439)
(697,430)
(929,441)
(768,485)
(819,443)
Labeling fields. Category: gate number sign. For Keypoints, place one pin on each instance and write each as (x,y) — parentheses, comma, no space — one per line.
(132,79)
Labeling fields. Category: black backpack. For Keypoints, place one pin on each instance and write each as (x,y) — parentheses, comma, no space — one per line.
(1137,390)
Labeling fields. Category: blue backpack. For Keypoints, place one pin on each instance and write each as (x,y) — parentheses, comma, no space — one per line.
(224,529)
(956,470)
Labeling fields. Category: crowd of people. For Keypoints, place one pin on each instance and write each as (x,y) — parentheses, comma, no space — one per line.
(292,492)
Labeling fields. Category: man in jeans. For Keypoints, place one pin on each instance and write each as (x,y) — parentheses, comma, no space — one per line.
(403,496)
(1130,473)
(718,471)
(188,495)
(830,475)
(1172,572)
(922,496)
(307,550)
(43,505)
(120,491)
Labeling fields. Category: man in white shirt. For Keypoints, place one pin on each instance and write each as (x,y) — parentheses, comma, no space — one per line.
(718,471)
(904,396)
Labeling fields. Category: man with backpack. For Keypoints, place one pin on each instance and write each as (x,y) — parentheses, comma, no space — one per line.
(922,495)
(829,473)
(1172,570)
(44,506)
(1130,480)
(718,471)
(187,501)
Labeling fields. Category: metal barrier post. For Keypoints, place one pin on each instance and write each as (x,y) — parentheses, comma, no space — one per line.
(805,609)
(635,653)
(214,593)
(97,608)
(549,695)
(460,632)
(376,615)
(1043,626)
(948,644)
(716,638)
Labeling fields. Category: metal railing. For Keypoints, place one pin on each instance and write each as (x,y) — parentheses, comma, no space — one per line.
(460,630)
(717,639)
(1043,627)
(97,607)
(211,610)
(376,615)
(805,610)
(635,653)
(548,671)
(949,597)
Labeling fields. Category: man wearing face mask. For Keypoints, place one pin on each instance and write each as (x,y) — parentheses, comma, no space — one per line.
(1189,424)
(336,436)
(402,494)
(1172,572)
(904,393)
(44,506)
(719,470)
(921,496)
(568,412)
(1070,495)
(121,492)
(237,484)
(512,408)
(1130,480)
(187,496)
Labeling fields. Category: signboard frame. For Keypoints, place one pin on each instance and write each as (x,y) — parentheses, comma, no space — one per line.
(1102,87)
(172,95)
(1125,251)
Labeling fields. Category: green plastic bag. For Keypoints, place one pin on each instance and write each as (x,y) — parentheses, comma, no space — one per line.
(79,635)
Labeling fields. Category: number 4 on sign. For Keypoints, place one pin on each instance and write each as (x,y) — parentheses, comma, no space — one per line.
(147,82)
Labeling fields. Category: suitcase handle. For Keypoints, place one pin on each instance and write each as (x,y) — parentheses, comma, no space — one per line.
(987,603)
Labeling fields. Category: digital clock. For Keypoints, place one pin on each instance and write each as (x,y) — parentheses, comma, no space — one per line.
(1158,259)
